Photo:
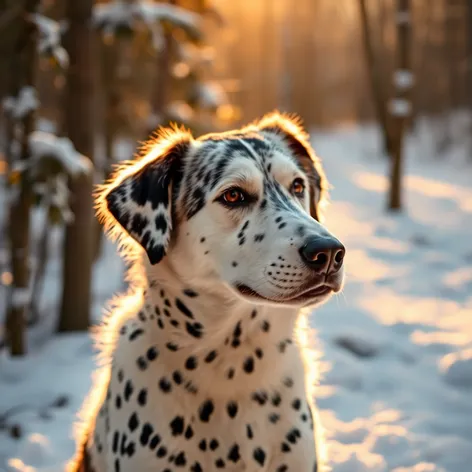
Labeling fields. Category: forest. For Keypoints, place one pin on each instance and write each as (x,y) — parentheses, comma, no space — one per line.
(384,88)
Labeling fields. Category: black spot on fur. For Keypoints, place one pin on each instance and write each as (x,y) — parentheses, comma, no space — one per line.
(180,459)
(161,223)
(190,293)
(128,390)
(172,347)
(152,353)
(285,447)
(165,385)
(248,365)
(206,410)
(146,432)
(260,397)
(183,308)
(133,422)
(135,334)
(116,440)
(259,456)
(189,432)
(258,238)
(161,452)
(276,399)
(156,439)
(202,445)
(232,409)
(233,454)
(177,377)
(214,444)
(274,418)
(177,426)
(138,224)
(196,467)
(296,404)
(211,356)
(194,329)
(191,363)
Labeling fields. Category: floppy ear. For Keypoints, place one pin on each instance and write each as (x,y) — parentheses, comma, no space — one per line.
(139,195)
(289,130)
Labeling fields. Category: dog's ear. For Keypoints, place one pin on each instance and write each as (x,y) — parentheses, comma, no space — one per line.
(139,194)
(289,129)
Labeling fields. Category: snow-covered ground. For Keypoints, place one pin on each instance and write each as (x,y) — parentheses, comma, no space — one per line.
(396,388)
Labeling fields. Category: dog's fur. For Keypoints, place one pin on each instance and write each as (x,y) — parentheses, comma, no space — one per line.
(206,363)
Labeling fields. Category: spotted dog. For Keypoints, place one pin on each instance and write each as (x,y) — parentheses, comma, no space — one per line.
(206,361)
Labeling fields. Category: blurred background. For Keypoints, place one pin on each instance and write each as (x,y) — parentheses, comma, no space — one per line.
(385,89)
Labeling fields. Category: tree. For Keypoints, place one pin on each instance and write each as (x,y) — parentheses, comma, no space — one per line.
(78,125)
(376,79)
(20,108)
(400,107)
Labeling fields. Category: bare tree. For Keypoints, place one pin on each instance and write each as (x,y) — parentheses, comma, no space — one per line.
(78,125)
(400,106)
(375,78)
(24,64)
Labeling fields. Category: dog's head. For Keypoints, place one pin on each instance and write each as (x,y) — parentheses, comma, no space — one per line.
(239,210)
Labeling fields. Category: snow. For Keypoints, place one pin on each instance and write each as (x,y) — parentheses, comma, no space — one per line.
(210,94)
(397,343)
(50,34)
(47,145)
(403,17)
(26,102)
(20,297)
(403,79)
(399,107)
(112,15)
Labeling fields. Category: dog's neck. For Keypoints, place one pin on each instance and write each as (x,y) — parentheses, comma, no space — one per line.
(204,322)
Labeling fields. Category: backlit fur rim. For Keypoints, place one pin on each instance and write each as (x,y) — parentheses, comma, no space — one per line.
(150,151)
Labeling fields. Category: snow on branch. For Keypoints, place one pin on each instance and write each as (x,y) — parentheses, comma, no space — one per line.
(44,146)
(400,107)
(403,79)
(403,17)
(20,297)
(210,95)
(115,15)
(50,33)
(19,107)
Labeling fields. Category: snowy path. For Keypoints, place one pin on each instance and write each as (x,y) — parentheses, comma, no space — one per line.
(396,394)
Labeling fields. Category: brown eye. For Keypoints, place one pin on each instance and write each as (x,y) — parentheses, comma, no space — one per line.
(298,187)
(233,196)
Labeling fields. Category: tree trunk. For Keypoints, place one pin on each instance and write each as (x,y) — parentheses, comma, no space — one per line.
(24,63)
(400,106)
(161,91)
(375,78)
(78,126)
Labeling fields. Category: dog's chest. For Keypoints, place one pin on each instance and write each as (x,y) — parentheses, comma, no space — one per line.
(208,434)
(167,415)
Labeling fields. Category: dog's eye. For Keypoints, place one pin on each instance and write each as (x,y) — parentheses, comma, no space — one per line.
(233,196)
(298,187)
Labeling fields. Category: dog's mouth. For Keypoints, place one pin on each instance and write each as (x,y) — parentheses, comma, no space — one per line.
(300,298)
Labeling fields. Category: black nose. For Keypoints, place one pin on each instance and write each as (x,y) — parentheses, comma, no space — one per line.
(323,254)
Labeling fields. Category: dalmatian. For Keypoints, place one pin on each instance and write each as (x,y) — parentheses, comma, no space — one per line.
(206,361)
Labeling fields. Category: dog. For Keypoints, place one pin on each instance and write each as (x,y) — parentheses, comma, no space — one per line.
(206,366)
